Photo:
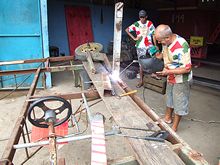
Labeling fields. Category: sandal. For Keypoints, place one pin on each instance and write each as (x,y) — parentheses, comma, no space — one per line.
(168,122)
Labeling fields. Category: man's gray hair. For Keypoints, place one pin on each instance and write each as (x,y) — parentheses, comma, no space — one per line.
(165,31)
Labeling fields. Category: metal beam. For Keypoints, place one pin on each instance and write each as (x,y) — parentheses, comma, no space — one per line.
(68,96)
(9,152)
(117,37)
(49,69)
(51,59)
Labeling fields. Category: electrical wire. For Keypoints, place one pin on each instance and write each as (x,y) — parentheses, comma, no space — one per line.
(144,95)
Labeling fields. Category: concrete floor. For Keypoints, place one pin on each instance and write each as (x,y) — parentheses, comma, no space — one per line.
(201,134)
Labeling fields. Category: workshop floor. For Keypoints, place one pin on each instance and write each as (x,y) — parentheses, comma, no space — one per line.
(200,129)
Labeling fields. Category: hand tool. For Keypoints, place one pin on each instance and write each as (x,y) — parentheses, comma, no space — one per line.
(128,93)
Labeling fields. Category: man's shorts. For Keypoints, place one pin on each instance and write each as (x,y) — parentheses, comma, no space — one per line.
(178,97)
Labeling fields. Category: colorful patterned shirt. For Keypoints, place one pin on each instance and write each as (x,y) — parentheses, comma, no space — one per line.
(145,31)
(177,55)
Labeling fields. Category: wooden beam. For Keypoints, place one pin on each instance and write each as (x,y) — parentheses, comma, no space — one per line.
(127,114)
(51,59)
(186,150)
(129,160)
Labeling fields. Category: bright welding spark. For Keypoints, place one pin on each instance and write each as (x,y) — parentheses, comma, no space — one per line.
(115,76)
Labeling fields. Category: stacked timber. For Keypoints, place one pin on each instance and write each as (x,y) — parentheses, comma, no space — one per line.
(155,84)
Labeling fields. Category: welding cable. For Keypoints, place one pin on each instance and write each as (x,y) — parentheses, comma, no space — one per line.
(134,61)
(144,95)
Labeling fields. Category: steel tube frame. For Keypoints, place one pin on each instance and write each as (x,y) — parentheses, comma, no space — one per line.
(9,151)
(51,59)
(46,142)
(47,69)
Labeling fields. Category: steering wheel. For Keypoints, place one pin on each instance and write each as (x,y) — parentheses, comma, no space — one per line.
(49,114)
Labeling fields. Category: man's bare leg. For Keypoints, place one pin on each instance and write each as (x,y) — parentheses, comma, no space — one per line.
(176,122)
(168,115)
(140,83)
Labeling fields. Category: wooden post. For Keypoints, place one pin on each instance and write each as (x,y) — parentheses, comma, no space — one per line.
(117,37)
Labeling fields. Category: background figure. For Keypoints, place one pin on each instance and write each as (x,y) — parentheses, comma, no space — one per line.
(144,30)
(177,68)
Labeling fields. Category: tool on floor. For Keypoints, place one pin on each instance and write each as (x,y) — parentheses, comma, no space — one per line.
(159,136)
(128,93)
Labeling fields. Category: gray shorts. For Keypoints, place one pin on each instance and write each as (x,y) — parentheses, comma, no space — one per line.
(178,97)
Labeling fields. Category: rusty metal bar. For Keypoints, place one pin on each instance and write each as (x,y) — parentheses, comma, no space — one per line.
(68,96)
(107,86)
(25,124)
(51,59)
(32,154)
(9,151)
(52,144)
(49,69)
(87,108)
(24,139)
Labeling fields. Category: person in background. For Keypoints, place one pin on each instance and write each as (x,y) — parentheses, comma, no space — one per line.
(177,68)
(144,30)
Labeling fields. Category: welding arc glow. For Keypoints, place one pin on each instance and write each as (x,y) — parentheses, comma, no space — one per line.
(115,76)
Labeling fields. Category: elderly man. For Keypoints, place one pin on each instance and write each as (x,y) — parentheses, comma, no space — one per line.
(177,68)
(144,30)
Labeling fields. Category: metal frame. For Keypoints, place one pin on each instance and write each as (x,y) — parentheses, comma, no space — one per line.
(187,154)
(20,128)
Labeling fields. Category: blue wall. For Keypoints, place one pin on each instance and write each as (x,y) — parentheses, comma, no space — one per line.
(103,32)
(20,37)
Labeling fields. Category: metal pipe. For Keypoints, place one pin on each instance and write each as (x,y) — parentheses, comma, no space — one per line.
(128,66)
(87,107)
(46,142)
(52,144)
(73,118)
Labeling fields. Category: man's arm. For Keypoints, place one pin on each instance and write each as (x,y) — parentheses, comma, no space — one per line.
(134,38)
(183,70)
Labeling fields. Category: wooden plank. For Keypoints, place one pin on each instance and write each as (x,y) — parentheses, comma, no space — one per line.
(129,160)
(98,155)
(160,83)
(127,114)
(154,88)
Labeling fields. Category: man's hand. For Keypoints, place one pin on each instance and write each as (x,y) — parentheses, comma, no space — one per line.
(164,72)
(137,38)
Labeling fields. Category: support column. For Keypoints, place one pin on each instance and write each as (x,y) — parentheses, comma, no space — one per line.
(117,38)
